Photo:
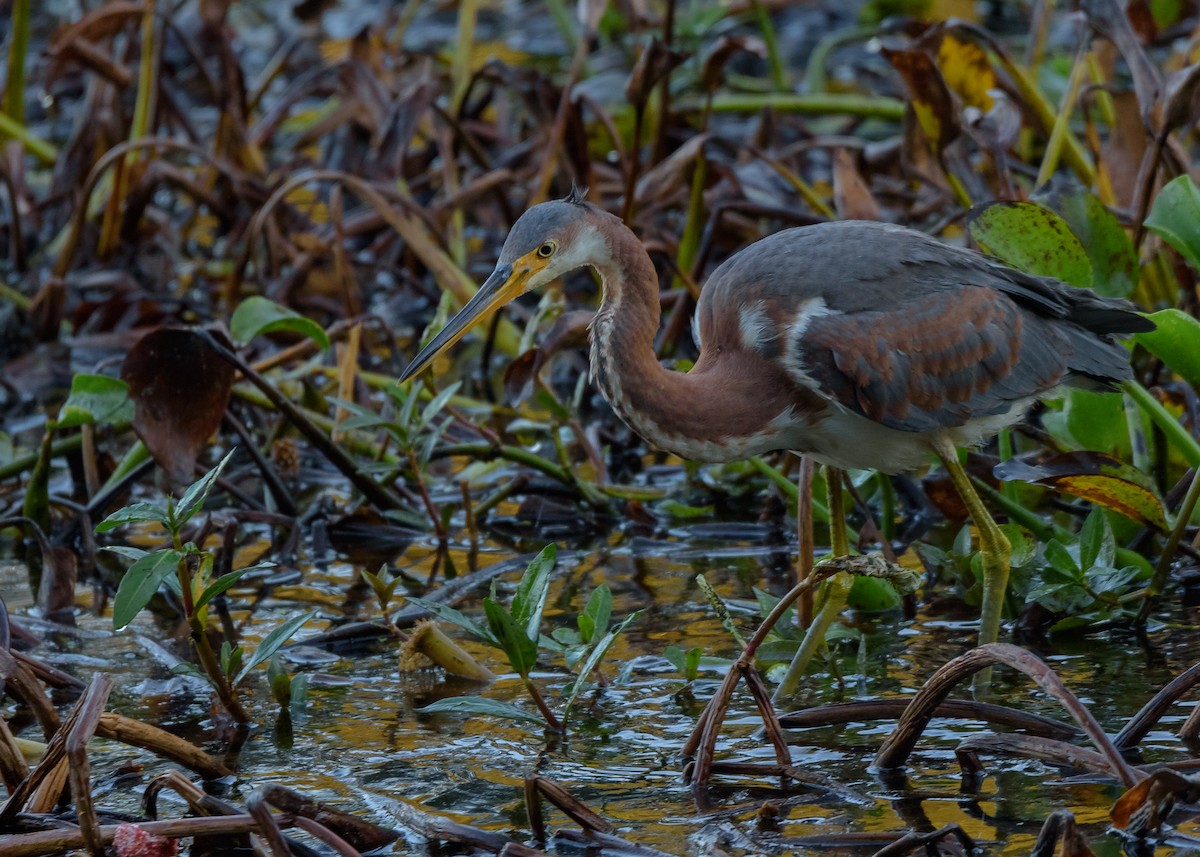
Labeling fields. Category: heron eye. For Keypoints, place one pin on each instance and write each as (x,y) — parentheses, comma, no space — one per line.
(546,250)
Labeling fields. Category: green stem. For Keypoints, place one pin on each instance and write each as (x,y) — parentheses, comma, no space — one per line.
(518,455)
(1163,569)
(835,591)
(1058,133)
(14,96)
(1176,434)
(36,146)
(817,103)
(774,58)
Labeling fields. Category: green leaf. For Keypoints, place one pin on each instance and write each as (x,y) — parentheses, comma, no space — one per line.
(96,399)
(1061,560)
(682,511)
(1031,239)
(1175,217)
(219,585)
(1102,479)
(256,315)
(1176,342)
(193,498)
(272,642)
(131,515)
(122,550)
(472,705)
(596,613)
(438,402)
(687,662)
(1114,262)
(1091,420)
(280,683)
(530,598)
(1113,579)
(872,595)
(299,697)
(1097,547)
(597,654)
(520,650)
(231,657)
(455,617)
(140,583)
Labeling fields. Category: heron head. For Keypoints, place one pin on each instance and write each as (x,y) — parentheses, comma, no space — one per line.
(547,241)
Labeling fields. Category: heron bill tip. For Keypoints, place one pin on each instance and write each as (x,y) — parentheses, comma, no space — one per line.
(499,288)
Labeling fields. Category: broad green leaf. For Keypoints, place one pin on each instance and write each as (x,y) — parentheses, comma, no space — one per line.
(1176,342)
(455,617)
(131,515)
(1031,239)
(530,598)
(1107,579)
(1060,560)
(271,643)
(1097,547)
(1114,262)
(520,650)
(872,595)
(140,583)
(472,705)
(1175,216)
(221,584)
(122,550)
(596,613)
(193,498)
(1090,420)
(96,399)
(256,315)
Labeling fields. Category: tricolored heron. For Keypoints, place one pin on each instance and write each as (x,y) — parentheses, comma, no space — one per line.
(860,344)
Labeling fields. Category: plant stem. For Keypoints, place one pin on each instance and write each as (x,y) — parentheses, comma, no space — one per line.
(14,96)
(1163,569)
(1176,434)
(552,722)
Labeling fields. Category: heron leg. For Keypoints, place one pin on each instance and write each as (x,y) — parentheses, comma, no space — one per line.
(994,548)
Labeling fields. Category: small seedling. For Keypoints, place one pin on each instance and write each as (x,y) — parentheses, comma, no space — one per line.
(188,570)
(515,630)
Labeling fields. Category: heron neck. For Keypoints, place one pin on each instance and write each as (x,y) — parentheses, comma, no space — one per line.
(708,414)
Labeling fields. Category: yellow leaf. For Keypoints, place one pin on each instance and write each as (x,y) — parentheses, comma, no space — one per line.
(966,70)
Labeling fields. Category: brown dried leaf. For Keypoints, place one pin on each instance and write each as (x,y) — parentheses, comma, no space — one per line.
(1141,811)
(180,389)
(723,51)
(655,62)
(1108,19)
(930,97)
(851,196)
(568,331)
(1182,98)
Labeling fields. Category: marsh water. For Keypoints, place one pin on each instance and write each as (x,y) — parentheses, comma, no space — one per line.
(361,744)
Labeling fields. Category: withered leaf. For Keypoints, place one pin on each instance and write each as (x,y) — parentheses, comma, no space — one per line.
(851,195)
(180,389)
(1102,479)
(931,99)
(655,62)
